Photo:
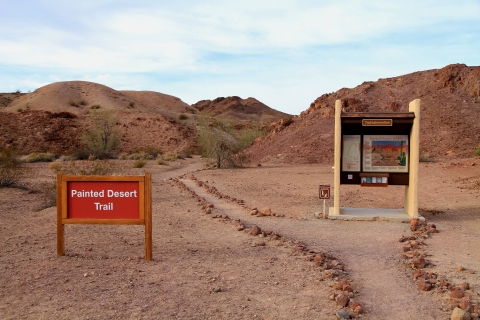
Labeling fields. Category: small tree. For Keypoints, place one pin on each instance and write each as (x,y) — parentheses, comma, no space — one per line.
(218,146)
(103,139)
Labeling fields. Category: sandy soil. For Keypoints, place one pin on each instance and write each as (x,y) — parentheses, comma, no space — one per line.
(207,267)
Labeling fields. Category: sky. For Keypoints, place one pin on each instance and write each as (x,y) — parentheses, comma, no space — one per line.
(283,53)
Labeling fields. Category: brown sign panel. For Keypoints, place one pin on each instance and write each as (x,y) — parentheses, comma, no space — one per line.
(324,191)
(377,122)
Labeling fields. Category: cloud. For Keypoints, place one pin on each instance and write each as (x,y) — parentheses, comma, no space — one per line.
(255,47)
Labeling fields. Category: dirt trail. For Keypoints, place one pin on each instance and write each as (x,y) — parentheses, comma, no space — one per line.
(369,250)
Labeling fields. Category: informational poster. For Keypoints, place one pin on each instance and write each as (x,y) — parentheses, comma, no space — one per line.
(351,153)
(385,153)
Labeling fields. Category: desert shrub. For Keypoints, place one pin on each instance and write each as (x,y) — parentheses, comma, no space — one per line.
(477,151)
(73,103)
(11,168)
(95,107)
(137,156)
(182,116)
(103,139)
(139,163)
(170,157)
(55,166)
(148,153)
(19,110)
(81,154)
(40,157)
(218,146)
(161,161)
(48,195)
(248,136)
(131,104)
(425,157)
(83,102)
(123,156)
(87,168)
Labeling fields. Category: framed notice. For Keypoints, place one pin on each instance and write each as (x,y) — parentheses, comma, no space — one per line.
(385,153)
(351,153)
(116,200)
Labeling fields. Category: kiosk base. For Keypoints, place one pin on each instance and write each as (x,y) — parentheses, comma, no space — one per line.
(365,214)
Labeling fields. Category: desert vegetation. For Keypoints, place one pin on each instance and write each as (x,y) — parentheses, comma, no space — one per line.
(221,142)
(102,140)
(12,169)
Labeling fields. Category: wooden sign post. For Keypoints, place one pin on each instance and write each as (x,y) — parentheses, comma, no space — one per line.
(117,200)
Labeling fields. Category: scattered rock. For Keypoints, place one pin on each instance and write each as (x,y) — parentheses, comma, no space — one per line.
(422,285)
(255,231)
(266,211)
(456,293)
(459,314)
(342,299)
(465,285)
(342,315)
(419,263)
(459,269)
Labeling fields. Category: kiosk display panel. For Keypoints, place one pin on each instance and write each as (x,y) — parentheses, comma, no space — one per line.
(385,153)
(351,155)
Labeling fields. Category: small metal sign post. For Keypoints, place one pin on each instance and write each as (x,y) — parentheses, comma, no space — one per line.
(324,193)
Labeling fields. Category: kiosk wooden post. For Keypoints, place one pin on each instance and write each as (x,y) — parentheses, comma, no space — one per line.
(337,158)
(411,190)
(117,200)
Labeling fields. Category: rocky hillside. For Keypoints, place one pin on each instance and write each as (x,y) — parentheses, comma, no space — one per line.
(53,118)
(239,109)
(450,116)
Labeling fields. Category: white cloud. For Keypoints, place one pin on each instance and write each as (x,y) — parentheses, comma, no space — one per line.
(201,49)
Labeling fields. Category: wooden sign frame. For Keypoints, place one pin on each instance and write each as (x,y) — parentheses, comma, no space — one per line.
(144,207)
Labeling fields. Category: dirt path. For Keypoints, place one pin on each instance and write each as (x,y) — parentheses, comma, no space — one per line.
(369,250)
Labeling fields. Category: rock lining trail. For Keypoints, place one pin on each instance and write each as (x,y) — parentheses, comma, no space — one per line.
(369,250)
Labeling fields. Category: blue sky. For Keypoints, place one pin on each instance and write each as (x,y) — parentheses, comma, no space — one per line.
(284,53)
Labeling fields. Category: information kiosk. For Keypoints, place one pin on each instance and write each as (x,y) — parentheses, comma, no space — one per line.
(377,150)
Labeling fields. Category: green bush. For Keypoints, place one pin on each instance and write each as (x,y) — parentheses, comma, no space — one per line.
(248,136)
(11,169)
(170,157)
(103,138)
(161,161)
(147,153)
(477,151)
(40,157)
(218,146)
(139,163)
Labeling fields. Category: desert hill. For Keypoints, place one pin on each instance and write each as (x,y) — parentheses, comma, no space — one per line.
(240,109)
(450,116)
(78,97)
(54,117)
